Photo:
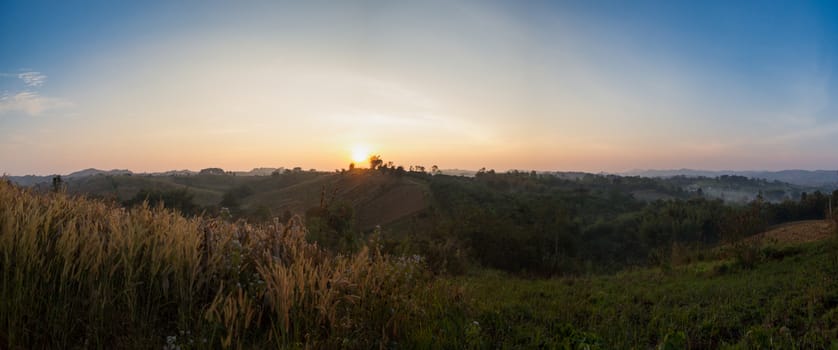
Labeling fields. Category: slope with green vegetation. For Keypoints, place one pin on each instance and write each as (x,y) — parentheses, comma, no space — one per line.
(546,225)
(376,198)
(786,299)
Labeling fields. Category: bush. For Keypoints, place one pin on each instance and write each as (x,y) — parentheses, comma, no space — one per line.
(747,254)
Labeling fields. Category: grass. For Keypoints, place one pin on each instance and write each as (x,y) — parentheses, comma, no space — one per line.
(79,273)
(782,303)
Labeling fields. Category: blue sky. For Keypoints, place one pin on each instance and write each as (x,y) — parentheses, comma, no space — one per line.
(509,84)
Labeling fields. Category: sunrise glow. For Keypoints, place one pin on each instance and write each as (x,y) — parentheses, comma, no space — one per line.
(360,154)
(568,85)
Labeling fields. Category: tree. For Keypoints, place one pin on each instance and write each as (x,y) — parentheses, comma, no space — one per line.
(232,197)
(57,183)
(230,201)
(375,162)
(332,224)
(177,199)
(212,171)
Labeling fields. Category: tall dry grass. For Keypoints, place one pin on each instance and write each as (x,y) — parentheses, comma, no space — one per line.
(78,273)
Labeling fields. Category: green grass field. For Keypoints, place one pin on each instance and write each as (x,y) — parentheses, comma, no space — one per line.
(788,300)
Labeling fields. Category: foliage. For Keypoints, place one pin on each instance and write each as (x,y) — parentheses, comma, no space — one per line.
(518,221)
(546,225)
(179,199)
(332,225)
(78,273)
(232,198)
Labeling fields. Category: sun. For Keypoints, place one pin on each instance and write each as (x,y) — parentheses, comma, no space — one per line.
(360,154)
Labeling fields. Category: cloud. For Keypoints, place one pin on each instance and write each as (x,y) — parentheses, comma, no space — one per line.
(32,79)
(29,102)
(29,78)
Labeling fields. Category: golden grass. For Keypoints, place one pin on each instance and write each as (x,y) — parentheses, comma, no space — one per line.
(81,273)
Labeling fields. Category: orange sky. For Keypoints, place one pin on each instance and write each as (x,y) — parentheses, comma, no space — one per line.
(459,84)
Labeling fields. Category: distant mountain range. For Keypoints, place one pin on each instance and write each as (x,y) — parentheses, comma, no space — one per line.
(93,172)
(814,178)
(31,180)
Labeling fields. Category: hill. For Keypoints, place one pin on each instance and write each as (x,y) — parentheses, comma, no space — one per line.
(521,222)
(377,199)
(730,188)
(97,172)
(808,178)
(787,300)
(797,232)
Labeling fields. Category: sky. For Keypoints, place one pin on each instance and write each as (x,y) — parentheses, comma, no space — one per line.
(555,85)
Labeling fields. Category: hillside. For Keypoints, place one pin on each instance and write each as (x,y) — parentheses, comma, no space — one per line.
(807,178)
(515,221)
(377,199)
(274,193)
(787,300)
(797,232)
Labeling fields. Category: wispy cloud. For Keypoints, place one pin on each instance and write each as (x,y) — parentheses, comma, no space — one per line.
(32,79)
(29,78)
(29,102)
